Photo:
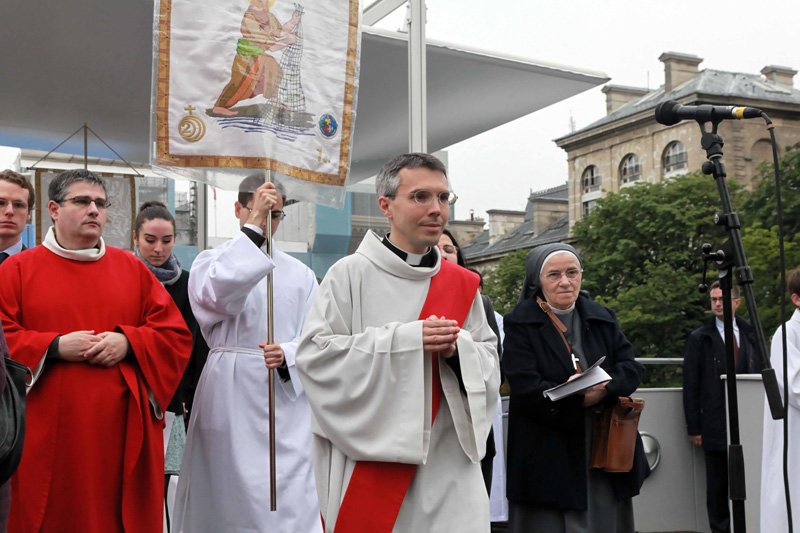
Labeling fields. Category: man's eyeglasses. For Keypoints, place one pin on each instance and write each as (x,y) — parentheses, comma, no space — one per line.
(85,201)
(16,205)
(423,197)
(555,276)
(275,214)
(714,299)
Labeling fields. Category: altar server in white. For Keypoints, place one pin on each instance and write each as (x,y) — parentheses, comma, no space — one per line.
(401,372)
(224,482)
(773,497)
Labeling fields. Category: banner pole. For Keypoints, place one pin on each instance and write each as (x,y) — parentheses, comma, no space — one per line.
(273,490)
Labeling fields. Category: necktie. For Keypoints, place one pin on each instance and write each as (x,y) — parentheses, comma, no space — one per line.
(3,257)
(736,351)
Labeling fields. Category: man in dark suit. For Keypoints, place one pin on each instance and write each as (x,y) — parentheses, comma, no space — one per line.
(704,363)
(17,199)
(5,489)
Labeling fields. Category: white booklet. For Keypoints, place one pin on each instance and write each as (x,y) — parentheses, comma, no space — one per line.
(591,377)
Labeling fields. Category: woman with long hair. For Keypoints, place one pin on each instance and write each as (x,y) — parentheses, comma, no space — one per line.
(154,239)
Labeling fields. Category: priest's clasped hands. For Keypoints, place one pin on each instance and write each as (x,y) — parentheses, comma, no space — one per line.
(440,335)
(106,349)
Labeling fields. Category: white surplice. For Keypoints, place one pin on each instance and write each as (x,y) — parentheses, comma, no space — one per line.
(773,500)
(368,382)
(224,481)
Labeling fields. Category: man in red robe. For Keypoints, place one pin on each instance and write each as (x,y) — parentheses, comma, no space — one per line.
(107,348)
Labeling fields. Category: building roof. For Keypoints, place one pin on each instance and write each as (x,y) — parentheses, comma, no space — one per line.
(711,86)
(523,236)
(559,192)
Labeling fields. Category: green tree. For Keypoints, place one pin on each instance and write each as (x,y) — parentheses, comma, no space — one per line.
(649,225)
(642,257)
(504,284)
(760,234)
(761,248)
(759,206)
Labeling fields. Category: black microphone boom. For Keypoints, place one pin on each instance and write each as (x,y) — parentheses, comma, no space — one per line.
(671,112)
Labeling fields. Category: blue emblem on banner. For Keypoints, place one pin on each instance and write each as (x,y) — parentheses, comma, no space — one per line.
(328,126)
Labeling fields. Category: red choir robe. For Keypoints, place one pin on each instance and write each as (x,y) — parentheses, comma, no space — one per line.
(93,458)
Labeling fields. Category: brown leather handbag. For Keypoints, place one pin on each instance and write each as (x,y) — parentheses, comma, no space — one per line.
(614,432)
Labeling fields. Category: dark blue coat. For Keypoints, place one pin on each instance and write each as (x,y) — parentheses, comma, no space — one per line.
(5,489)
(703,390)
(546,440)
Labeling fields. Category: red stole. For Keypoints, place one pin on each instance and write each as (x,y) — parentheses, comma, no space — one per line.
(376,489)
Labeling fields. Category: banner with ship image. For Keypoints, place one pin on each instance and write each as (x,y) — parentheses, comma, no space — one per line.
(258,84)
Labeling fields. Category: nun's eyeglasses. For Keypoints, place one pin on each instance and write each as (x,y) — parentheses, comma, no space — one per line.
(555,276)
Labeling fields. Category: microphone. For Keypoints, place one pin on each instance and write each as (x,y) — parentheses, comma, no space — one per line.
(671,112)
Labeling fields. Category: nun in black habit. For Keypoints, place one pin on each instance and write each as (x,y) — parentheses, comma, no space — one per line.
(551,487)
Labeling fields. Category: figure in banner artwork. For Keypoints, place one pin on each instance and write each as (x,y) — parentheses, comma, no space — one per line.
(256,72)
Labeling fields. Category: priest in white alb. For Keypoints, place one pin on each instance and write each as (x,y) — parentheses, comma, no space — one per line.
(400,368)
(224,481)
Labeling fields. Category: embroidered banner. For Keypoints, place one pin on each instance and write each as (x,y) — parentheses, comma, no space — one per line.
(265,84)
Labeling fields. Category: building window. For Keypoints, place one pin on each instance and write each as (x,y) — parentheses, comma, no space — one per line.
(589,206)
(591,179)
(629,170)
(675,159)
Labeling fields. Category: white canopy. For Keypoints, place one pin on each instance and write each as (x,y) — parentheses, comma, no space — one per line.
(90,61)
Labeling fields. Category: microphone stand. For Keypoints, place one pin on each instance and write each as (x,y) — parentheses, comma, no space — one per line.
(732,258)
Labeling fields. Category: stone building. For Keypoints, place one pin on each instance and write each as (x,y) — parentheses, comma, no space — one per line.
(628,146)
(544,221)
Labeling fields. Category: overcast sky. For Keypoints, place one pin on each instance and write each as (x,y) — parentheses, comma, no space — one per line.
(621,38)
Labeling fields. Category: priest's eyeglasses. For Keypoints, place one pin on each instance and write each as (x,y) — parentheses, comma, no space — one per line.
(554,276)
(16,205)
(85,201)
(423,197)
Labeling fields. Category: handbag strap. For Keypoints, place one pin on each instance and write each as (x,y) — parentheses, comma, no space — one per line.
(562,329)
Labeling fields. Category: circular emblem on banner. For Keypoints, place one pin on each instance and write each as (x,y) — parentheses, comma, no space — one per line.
(191,127)
(328,126)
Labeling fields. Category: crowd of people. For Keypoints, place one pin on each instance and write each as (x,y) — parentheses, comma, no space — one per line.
(147,404)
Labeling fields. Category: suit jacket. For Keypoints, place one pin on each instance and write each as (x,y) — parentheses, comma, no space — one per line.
(703,390)
(5,489)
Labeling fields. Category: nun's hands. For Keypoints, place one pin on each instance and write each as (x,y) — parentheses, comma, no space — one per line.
(594,394)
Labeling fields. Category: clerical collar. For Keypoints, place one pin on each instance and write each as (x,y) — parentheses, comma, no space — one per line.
(89,254)
(427,260)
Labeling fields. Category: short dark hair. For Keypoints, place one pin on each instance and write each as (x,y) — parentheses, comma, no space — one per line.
(252,182)
(57,191)
(735,293)
(18,179)
(150,211)
(793,281)
(387,181)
